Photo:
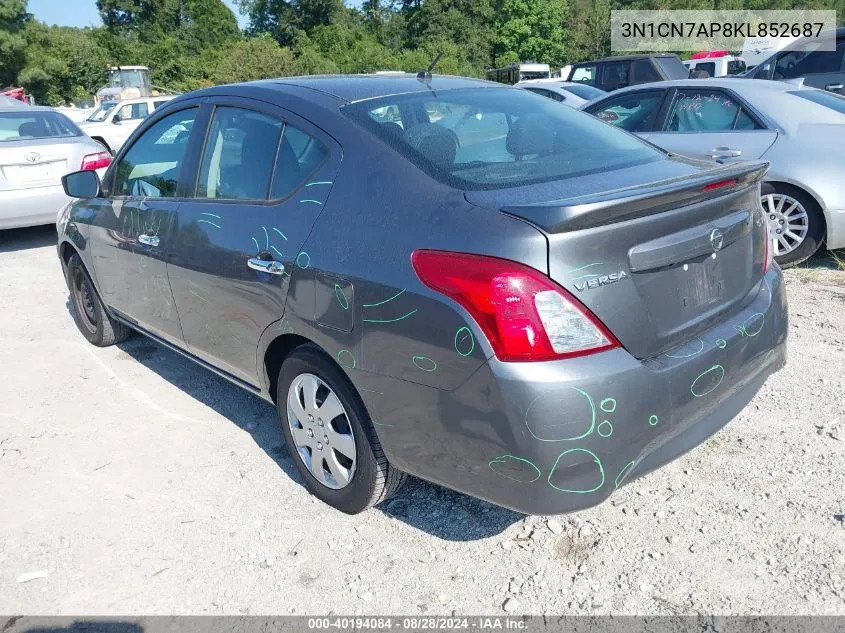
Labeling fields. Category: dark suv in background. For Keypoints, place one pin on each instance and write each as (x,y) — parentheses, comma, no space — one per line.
(819,69)
(612,73)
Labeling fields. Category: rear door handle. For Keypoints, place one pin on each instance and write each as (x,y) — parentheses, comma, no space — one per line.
(266,265)
(725,152)
(833,87)
(149,240)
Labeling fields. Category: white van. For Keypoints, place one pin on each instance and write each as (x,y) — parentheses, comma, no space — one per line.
(759,49)
(717,66)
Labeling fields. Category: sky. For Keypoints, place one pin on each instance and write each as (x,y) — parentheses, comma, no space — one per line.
(83,12)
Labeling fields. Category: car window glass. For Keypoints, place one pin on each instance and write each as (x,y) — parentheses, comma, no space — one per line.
(299,154)
(794,64)
(158,104)
(151,167)
(708,67)
(498,138)
(26,124)
(823,97)
(133,111)
(644,72)
(614,75)
(584,75)
(633,112)
(239,154)
(707,111)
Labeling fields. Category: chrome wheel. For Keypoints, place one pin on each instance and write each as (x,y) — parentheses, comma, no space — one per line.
(788,222)
(321,431)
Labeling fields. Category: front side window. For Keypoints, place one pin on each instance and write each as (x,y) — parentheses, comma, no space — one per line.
(707,67)
(497,138)
(736,66)
(133,112)
(152,166)
(26,124)
(793,64)
(614,75)
(585,75)
(632,112)
(707,111)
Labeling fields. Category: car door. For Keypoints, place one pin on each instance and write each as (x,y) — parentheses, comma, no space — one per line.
(635,111)
(133,223)
(820,69)
(126,120)
(263,178)
(711,123)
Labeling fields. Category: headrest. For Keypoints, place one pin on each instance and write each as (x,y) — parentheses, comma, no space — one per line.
(529,134)
(436,143)
(32,128)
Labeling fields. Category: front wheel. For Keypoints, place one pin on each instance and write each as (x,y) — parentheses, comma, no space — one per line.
(89,314)
(330,436)
(796,223)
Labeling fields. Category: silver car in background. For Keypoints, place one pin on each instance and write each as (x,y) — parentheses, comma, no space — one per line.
(37,147)
(799,130)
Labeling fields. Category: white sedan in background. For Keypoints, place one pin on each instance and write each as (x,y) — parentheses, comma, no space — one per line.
(572,94)
(37,147)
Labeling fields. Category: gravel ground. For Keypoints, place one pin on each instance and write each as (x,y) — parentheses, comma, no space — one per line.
(134,482)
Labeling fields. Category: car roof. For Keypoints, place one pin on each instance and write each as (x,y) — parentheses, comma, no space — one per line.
(618,58)
(25,108)
(713,82)
(352,88)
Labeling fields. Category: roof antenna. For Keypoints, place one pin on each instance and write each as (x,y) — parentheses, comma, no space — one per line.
(425,75)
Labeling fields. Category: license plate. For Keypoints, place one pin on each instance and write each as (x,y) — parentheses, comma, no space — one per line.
(23,174)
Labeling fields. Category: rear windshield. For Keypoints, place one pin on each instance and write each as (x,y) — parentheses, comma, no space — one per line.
(585,92)
(27,124)
(823,97)
(492,138)
(673,67)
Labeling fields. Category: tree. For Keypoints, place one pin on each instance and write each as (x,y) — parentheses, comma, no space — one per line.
(465,23)
(254,58)
(284,19)
(530,30)
(590,34)
(13,20)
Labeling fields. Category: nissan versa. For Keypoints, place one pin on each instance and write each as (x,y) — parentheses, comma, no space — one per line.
(436,276)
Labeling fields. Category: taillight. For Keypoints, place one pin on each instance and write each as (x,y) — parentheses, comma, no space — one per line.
(719,184)
(525,315)
(95,161)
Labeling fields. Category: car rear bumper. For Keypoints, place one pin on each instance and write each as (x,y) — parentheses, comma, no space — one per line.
(555,437)
(835,228)
(31,207)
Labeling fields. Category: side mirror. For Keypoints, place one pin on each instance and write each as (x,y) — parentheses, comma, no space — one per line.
(116,119)
(82,184)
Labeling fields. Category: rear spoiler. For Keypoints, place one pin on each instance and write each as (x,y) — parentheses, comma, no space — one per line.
(572,214)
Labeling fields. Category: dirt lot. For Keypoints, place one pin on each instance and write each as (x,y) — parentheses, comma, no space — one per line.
(139,483)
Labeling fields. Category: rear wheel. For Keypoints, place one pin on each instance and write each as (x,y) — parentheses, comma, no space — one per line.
(89,314)
(330,436)
(796,223)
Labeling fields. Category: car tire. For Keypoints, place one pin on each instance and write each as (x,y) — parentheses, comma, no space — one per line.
(814,228)
(371,478)
(89,314)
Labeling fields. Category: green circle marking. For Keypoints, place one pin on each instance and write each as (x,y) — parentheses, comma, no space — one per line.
(653,420)
(463,335)
(341,298)
(611,405)
(622,473)
(565,439)
(424,363)
(577,492)
(502,460)
(698,351)
(605,429)
(307,260)
(346,359)
(749,323)
(715,368)
(721,343)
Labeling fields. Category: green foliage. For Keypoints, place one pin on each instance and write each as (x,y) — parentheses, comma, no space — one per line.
(530,29)
(255,58)
(13,21)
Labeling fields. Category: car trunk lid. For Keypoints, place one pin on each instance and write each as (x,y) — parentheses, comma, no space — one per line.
(656,261)
(30,164)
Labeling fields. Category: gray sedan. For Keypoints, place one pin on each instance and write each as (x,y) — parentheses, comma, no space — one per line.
(799,130)
(37,147)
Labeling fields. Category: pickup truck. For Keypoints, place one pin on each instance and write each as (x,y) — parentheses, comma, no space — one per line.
(114,121)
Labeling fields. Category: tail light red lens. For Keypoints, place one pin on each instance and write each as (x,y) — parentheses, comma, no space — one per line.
(525,315)
(95,161)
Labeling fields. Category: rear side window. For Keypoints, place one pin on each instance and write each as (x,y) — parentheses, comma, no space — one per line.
(497,138)
(708,111)
(823,97)
(672,67)
(152,166)
(736,66)
(28,125)
(708,67)
(633,112)
(644,72)
(614,75)
(584,75)
(299,154)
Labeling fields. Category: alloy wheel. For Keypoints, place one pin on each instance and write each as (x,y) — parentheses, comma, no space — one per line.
(788,222)
(321,431)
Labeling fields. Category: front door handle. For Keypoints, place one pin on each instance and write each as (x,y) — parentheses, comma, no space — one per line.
(149,240)
(833,87)
(266,265)
(725,152)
